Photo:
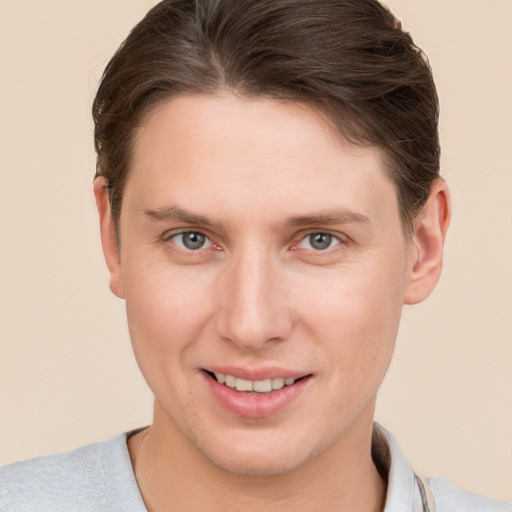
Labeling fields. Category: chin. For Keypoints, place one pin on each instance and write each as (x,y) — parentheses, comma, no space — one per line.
(262,457)
(256,465)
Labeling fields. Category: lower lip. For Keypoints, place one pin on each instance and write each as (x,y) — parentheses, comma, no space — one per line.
(256,405)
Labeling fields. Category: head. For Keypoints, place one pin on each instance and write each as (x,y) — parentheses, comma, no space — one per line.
(269,199)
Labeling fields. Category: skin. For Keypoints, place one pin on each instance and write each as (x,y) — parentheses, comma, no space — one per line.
(258,178)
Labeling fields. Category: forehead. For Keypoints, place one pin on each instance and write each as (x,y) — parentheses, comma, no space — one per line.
(252,153)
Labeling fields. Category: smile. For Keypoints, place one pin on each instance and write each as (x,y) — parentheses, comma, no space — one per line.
(256,386)
(256,397)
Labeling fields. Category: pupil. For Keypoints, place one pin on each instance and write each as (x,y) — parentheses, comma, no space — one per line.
(320,241)
(193,240)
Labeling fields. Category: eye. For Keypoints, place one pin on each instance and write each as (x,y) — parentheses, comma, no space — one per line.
(191,240)
(318,241)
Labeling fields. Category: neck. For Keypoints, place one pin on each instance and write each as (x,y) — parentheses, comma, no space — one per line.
(173,475)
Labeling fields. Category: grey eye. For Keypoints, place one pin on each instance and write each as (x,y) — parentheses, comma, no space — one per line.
(191,240)
(320,241)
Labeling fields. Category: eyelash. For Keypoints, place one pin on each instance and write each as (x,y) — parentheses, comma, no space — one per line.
(310,237)
(296,246)
(172,237)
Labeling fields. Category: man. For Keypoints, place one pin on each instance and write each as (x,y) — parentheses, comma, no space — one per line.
(269,197)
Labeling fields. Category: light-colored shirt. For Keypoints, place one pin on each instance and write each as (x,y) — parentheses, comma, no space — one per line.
(99,478)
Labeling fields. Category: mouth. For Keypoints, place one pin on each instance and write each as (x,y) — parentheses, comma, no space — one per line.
(254,386)
(259,397)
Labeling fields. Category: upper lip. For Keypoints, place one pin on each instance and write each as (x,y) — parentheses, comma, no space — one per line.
(263,373)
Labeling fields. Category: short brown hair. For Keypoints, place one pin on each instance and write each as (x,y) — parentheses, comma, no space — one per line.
(350,59)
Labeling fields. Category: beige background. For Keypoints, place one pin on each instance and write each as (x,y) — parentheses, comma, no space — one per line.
(67,376)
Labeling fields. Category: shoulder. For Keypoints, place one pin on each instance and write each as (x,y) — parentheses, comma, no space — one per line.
(51,482)
(404,487)
(86,479)
(450,498)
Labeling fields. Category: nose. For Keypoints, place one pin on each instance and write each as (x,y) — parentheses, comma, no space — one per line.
(253,309)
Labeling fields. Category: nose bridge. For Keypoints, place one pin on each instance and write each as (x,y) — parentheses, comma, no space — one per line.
(252,309)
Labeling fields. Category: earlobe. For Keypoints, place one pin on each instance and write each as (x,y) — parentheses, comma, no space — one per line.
(426,254)
(108,236)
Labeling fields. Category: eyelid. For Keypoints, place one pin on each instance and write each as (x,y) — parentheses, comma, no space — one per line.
(340,237)
(168,236)
(298,238)
(181,231)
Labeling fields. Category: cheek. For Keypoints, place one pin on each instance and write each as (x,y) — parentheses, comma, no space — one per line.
(356,319)
(167,311)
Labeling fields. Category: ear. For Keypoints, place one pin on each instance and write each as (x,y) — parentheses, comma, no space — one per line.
(108,236)
(426,254)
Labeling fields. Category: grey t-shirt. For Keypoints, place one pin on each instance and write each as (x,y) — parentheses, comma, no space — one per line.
(95,478)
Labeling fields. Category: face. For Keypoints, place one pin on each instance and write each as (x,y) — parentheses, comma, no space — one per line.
(264,266)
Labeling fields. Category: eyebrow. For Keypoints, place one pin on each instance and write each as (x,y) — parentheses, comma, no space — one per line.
(329,217)
(325,218)
(173,213)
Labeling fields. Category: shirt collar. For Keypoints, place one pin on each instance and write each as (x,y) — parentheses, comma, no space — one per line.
(401,491)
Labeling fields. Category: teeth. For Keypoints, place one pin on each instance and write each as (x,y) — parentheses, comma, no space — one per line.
(262,386)
(278,383)
(243,385)
(259,386)
(220,377)
(229,381)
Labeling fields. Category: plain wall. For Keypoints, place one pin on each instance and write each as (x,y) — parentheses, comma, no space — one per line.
(67,375)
